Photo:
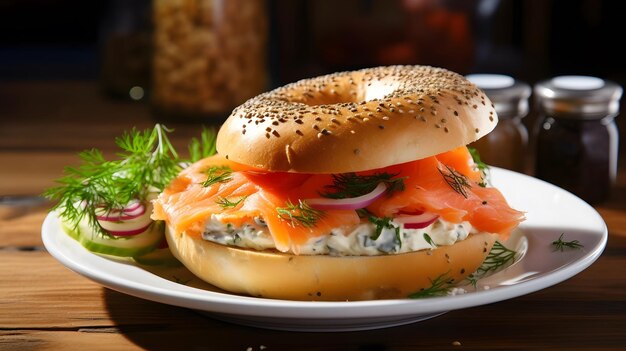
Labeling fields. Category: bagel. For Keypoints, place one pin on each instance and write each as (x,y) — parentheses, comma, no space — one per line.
(327,278)
(351,186)
(349,121)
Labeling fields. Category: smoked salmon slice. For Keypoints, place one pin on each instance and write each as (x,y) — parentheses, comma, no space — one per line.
(448,185)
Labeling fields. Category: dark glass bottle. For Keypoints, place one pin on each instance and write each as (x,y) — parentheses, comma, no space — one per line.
(577,139)
(506,146)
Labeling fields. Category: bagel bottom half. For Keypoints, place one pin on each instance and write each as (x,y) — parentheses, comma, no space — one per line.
(271,274)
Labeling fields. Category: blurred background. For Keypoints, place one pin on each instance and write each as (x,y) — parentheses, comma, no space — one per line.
(127,63)
(528,39)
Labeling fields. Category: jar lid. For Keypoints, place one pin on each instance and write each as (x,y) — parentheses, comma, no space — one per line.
(579,97)
(509,96)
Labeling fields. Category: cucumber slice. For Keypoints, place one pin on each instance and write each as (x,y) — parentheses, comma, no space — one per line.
(158,257)
(136,245)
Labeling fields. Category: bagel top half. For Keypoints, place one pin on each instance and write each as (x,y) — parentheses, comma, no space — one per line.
(356,121)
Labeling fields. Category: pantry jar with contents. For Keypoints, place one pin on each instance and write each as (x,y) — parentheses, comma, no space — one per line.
(506,146)
(209,57)
(577,139)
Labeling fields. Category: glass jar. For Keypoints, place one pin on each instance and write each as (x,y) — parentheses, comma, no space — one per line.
(506,146)
(576,135)
(209,56)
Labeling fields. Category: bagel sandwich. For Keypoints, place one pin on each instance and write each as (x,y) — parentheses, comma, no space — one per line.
(350,186)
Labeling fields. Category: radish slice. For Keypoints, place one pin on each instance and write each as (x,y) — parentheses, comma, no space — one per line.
(123,225)
(136,212)
(353,203)
(417,222)
(132,206)
(132,210)
(130,232)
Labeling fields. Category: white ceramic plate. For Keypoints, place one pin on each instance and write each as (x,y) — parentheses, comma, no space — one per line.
(550,212)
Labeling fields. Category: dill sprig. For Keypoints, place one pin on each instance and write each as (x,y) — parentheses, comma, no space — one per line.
(429,240)
(203,147)
(439,286)
(482,166)
(148,162)
(215,174)
(382,224)
(560,244)
(226,203)
(498,258)
(300,214)
(455,180)
(348,185)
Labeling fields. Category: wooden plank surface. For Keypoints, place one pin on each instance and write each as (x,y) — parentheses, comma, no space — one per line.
(44,305)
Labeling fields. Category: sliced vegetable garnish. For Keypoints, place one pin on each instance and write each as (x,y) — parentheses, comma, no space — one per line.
(105,204)
(350,185)
(353,203)
(136,245)
(417,221)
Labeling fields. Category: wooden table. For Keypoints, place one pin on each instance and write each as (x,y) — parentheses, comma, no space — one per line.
(44,305)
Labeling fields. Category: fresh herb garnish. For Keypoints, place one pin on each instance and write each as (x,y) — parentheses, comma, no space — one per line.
(499,257)
(300,214)
(482,166)
(455,180)
(348,185)
(382,224)
(148,162)
(225,203)
(204,147)
(217,174)
(560,244)
(439,286)
(429,240)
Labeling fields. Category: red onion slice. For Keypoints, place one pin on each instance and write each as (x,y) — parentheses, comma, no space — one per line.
(417,222)
(353,203)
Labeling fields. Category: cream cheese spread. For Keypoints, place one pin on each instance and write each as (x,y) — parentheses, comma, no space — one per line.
(357,241)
